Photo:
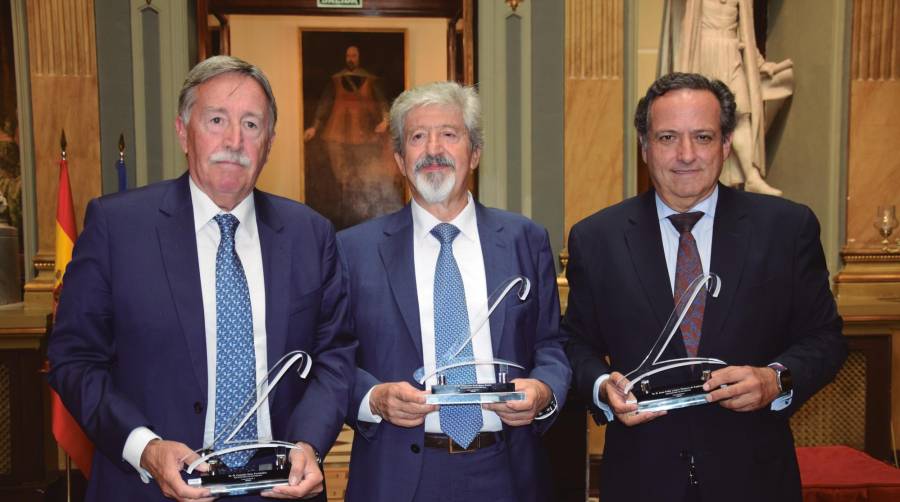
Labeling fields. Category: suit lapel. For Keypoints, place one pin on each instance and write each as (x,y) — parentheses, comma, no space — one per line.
(731,238)
(178,245)
(497,267)
(645,248)
(396,251)
(276,257)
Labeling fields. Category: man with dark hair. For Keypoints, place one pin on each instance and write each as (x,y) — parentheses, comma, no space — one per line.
(420,281)
(774,320)
(182,295)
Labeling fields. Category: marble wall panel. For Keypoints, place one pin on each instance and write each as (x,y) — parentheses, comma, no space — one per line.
(63,67)
(874,167)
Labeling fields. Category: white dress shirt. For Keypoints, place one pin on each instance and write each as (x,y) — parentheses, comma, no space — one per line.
(246,239)
(703,235)
(467,251)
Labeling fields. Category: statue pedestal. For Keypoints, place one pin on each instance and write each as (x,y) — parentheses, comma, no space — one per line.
(869,282)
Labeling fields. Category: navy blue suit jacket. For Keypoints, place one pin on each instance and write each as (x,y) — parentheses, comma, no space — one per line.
(378,260)
(129,347)
(775,305)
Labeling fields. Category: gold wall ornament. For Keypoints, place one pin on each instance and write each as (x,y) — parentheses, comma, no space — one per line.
(514,4)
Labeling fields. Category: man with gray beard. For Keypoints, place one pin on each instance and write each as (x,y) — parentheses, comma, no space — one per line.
(422,276)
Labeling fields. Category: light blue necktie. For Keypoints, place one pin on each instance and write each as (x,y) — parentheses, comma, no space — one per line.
(235,358)
(451,327)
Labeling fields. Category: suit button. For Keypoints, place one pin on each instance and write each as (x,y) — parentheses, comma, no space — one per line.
(414,448)
(198,408)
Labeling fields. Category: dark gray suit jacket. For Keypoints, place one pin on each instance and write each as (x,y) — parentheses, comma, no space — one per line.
(775,305)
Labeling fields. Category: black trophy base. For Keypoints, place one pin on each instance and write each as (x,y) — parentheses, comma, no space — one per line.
(257,476)
(473,388)
(474,393)
(670,397)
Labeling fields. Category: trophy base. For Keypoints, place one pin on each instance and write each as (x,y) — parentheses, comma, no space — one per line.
(474,394)
(670,397)
(227,482)
(671,403)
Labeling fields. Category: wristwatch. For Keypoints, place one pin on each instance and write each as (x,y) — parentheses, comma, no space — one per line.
(783,377)
(546,412)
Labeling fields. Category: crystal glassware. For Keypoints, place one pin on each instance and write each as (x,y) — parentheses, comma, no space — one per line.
(886,222)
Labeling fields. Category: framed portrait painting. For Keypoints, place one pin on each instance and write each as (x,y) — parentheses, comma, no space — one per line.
(349,79)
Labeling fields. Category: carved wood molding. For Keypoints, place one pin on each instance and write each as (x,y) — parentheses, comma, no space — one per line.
(594,44)
(876,40)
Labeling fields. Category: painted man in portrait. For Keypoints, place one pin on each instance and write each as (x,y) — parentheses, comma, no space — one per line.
(351,120)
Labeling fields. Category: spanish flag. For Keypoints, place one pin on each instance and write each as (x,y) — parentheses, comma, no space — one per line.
(65,429)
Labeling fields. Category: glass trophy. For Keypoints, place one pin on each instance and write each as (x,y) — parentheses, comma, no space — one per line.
(643,381)
(501,390)
(270,465)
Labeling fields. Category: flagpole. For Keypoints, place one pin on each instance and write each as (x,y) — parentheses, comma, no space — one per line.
(120,165)
(68,478)
(62,147)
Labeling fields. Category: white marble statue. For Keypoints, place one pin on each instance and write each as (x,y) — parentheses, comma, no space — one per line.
(716,38)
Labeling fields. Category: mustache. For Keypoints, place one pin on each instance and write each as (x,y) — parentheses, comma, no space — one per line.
(230,156)
(434,160)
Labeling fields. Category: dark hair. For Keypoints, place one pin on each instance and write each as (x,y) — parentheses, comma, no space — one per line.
(213,67)
(694,81)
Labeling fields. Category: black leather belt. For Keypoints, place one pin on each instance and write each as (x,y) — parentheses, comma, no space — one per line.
(443,442)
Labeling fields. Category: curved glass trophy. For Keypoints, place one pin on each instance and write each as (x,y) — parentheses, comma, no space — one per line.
(270,465)
(683,394)
(473,392)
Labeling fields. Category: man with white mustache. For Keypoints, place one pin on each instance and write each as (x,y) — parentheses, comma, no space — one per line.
(426,271)
(183,294)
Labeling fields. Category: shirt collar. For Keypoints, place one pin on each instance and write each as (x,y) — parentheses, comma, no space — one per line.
(707,205)
(205,209)
(465,221)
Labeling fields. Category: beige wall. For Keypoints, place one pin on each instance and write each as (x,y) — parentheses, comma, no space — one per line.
(648,17)
(808,154)
(273,44)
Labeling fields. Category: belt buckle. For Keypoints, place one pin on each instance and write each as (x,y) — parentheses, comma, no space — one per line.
(456,448)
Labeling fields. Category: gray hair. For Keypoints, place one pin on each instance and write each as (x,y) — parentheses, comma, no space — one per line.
(438,93)
(694,81)
(213,67)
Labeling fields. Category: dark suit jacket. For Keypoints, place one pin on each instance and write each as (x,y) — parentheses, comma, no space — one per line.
(129,346)
(775,305)
(378,260)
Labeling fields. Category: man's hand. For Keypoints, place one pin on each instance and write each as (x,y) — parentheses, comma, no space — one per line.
(400,403)
(309,134)
(517,413)
(164,460)
(611,393)
(747,388)
(305,479)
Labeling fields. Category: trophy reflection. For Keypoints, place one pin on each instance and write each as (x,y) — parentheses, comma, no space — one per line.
(643,381)
(270,465)
(501,389)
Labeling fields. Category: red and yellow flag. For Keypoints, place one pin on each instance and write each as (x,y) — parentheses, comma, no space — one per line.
(65,429)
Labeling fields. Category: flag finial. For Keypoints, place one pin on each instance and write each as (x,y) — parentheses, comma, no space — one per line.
(63,143)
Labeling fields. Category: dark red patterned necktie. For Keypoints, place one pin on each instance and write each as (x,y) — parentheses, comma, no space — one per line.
(688,268)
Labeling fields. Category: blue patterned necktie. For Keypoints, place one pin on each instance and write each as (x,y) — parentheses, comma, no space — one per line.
(235,358)
(687,268)
(451,327)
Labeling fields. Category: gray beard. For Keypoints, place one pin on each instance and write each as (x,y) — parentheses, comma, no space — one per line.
(434,187)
